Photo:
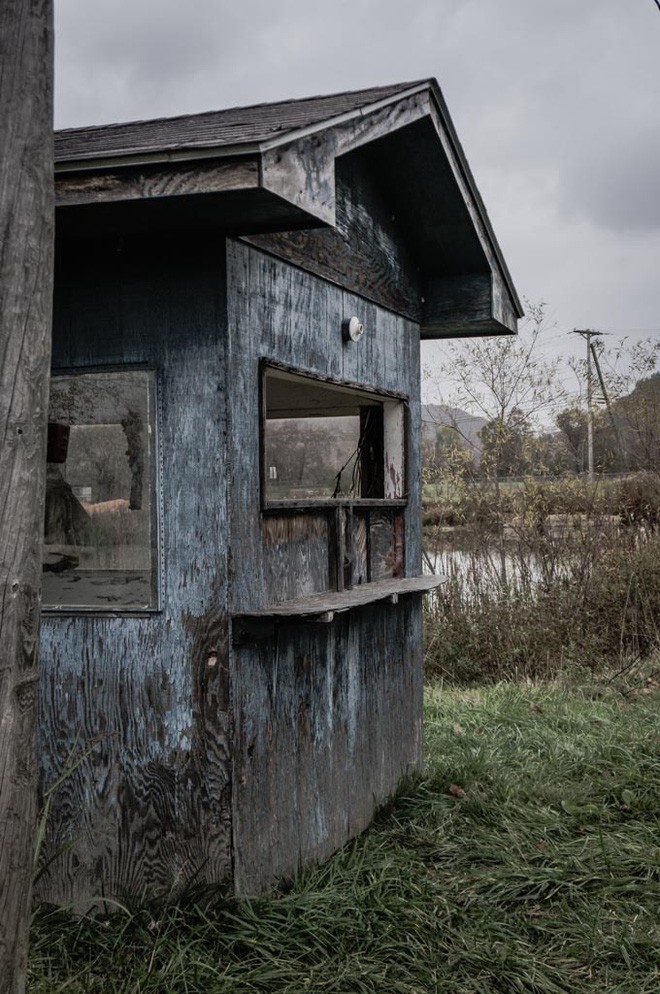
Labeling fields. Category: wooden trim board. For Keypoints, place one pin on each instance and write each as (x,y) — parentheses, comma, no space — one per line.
(323,607)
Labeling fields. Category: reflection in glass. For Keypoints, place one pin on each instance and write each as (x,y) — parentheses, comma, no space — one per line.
(312,457)
(100,522)
(320,440)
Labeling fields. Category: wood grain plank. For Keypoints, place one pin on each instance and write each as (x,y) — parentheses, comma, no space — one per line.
(295,555)
(313,704)
(135,701)
(301,171)
(457,300)
(328,724)
(147,182)
(361,573)
(344,600)
(365,253)
(26,285)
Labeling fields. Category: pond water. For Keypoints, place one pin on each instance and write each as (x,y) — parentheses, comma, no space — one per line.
(523,558)
(486,565)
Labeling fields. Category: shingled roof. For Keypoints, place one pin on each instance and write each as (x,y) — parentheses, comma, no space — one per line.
(237,129)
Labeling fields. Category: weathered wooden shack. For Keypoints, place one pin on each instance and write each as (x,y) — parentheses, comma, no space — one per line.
(231,636)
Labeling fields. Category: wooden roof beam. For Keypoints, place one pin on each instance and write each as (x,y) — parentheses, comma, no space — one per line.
(467,307)
(147,182)
(505,303)
(303,171)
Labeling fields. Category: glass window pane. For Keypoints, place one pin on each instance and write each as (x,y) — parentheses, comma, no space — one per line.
(100,524)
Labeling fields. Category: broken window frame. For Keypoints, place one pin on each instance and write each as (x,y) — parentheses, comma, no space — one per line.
(157,571)
(386,427)
(389,432)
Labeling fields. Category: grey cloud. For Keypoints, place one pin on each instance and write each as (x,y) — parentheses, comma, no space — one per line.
(618,184)
(555,101)
(574,89)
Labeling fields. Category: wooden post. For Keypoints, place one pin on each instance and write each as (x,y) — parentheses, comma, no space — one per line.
(588,334)
(26,282)
(590,411)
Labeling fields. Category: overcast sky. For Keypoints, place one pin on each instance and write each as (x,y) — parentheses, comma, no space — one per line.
(556,102)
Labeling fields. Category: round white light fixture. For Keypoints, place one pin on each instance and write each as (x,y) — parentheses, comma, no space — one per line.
(352,330)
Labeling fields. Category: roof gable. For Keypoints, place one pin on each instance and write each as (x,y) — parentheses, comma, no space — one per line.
(272,168)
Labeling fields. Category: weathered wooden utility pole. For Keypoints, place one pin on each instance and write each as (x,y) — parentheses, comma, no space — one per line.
(26,281)
(588,334)
(613,421)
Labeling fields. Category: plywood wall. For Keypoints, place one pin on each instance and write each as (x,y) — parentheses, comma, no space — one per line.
(327,718)
(131,712)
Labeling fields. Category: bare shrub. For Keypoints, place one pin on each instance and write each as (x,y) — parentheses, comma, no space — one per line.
(551,575)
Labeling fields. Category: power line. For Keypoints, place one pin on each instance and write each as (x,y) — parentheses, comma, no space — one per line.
(631,331)
(588,334)
(592,356)
(615,425)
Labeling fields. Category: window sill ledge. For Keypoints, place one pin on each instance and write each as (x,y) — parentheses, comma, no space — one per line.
(332,503)
(324,606)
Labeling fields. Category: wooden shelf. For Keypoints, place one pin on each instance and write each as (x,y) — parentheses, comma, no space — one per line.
(324,606)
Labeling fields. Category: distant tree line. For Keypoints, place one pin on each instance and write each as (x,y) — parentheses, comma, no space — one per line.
(523,423)
(510,447)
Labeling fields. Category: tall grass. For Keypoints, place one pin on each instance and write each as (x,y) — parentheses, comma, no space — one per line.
(555,576)
(526,859)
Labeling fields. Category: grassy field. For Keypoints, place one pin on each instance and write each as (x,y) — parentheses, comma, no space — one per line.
(526,859)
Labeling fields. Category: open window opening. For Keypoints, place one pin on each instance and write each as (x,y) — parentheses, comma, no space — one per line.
(333,484)
(100,530)
(324,441)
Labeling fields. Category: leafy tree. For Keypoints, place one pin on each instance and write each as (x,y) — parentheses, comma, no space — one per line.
(549,455)
(451,449)
(627,436)
(572,423)
(640,413)
(507,445)
(506,381)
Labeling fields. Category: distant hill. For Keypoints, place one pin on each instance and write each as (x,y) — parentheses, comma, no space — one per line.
(638,416)
(468,426)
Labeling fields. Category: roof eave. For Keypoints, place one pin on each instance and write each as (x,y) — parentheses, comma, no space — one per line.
(162,157)
(172,155)
(443,111)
